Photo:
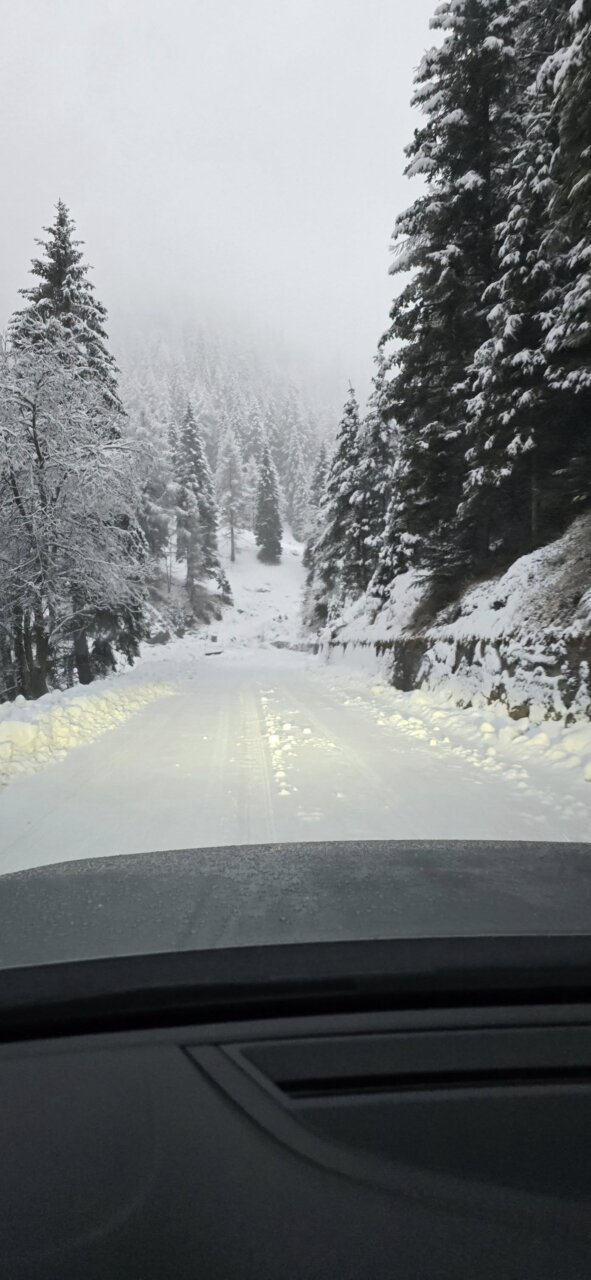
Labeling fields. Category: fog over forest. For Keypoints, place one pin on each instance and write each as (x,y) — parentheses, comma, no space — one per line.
(232,162)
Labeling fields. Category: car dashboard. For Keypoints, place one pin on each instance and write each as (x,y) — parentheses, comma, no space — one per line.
(418,1108)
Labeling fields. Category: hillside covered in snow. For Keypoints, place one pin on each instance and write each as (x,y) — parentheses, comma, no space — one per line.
(453,529)
(521,638)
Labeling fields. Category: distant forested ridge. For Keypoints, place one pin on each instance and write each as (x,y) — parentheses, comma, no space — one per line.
(476,446)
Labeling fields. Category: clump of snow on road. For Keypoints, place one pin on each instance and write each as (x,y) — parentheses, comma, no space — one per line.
(486,736)
(33,734)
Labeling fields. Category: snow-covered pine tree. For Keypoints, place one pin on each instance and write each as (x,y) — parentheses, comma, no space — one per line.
(377,453)
(568,341)
(253,431)
(285,425)
(296,487)
(61,307)
(335,554)
(230,486)
(206,425)
(268,531)
(446,240)
(512,500)
(251,480)
(196,510)
(177,397)
(155,476)
(273,422)
(63,290)
(317,487)
(319,477)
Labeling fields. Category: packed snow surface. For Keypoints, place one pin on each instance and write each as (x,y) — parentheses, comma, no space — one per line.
(232,735)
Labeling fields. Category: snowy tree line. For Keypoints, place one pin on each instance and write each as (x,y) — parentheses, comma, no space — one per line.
(476,444)
(240,405)
(104,482)
(249,438)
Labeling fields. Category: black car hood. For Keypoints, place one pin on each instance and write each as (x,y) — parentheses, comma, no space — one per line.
(250,895)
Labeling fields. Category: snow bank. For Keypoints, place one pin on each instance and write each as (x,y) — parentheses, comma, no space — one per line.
(522,751)
(266,614)
(33,734)
(360,623)
(522,638)
(544,595)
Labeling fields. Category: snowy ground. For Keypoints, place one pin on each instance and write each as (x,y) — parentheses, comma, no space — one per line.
(226,738)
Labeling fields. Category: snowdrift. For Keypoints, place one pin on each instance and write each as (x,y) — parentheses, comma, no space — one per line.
(35,733)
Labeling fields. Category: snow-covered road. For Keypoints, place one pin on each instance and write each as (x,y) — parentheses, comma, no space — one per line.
(272,746)
(252,743)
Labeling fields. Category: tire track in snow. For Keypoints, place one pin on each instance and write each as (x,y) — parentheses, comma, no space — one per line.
(259,809)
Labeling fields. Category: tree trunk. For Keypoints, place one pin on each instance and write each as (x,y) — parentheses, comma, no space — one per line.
(82,656)
(35,661)
(42,663)
(232,542)
(534,526)
(23,674)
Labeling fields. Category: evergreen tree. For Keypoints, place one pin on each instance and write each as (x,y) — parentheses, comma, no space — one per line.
(268,531)
(62,310)
(230,487)
(377,438)
(273,435)
(253,431)
(513,494)
(196,509)
(317,488)
(154,466)
(251,480)
(63,291)
(336,554)
(319,477)
(568,341)
(446,239)
(296,487)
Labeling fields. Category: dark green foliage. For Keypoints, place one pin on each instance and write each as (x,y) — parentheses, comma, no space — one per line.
(515,495)
(489,345)
(446,238)
(568,339)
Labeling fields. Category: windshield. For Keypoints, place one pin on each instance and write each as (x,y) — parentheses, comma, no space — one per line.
(295,533)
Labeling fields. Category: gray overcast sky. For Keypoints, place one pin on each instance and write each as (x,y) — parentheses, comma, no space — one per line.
(241,158)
